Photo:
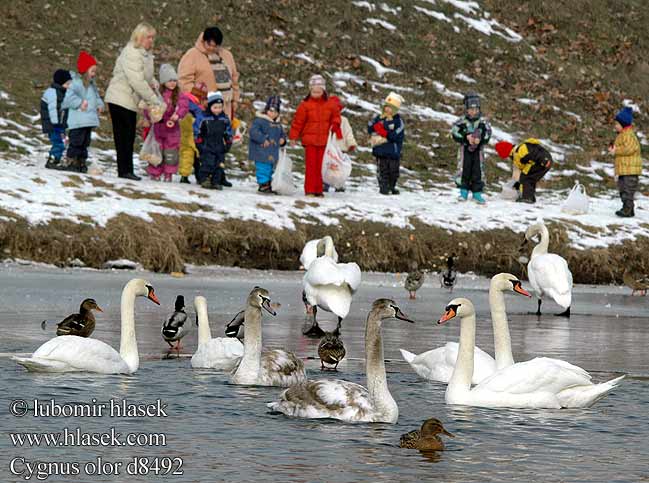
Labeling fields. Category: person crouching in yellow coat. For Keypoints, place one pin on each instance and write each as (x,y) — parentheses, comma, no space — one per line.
(532,159)
(188,152)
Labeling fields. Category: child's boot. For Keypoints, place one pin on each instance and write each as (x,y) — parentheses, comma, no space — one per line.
(184,179)
(626,211)
(52,163)
(477,196)
(464,194)
(167,178)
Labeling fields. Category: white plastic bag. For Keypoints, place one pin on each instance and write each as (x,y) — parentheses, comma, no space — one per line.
(282,181)
(151,152)
(577,202)
(336,165)
(508,191)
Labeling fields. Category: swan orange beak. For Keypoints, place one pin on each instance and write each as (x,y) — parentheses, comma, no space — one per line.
(448,315)
(152,297)
(519,289)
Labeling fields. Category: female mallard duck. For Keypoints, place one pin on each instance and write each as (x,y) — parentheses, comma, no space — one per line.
(81,324)
(636,282)
(426,438)
(414,280)
(71,353)
(347,401)
(173,329)
(264,367)
(449,276)
(331,349)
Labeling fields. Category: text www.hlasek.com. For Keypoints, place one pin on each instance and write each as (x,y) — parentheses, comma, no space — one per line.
(76,437)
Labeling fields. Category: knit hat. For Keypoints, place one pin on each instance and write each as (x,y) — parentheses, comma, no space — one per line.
(61,76)
(167,73)
(273,103)
(471,99)
(504,149)
(317,80)
(85,61)
(393,100)
(625,116)
(214,98)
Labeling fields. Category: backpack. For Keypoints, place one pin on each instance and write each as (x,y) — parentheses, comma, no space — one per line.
(222,74)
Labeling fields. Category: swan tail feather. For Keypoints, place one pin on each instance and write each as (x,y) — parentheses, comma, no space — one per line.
(34,365)
(407,356)
(586,396)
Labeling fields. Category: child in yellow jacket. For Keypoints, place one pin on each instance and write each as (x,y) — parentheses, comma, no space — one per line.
(628,163)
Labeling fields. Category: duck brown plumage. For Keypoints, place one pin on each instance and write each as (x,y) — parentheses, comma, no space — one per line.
(414,280)
(331,349)
(636,281)
(81,324)
(426,438)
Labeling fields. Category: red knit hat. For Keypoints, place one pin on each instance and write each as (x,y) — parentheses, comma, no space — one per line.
(85,61)
(504,149)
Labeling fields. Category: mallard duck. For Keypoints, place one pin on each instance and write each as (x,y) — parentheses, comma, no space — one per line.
(448,277)
(331,349)
(81,324)
(636,282)
(235,327)
(414,280)
(426,438)
(173,329)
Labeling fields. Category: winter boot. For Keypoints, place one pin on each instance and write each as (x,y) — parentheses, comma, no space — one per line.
(384,190)
(52,163)
(264,188)
(225,182)
(184,179)
(70,164)
(626,211)
(83,167)
(395,191)
(477,196)
(464,194)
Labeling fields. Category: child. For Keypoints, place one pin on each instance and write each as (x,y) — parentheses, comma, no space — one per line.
(472,132)
(84,104)
(348,143)
(189,126)
(53,117)
(313,120)
(266,137)
(387,135)
(215,139)
(533,161)
(167,130)
(628,163)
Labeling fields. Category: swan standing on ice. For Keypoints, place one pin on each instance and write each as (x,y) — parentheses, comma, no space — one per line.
(539,383)
(344,400)
(330,285)
(221,353)
(308,255)
(548,272)
(270,367)
(71,353)
(438,364)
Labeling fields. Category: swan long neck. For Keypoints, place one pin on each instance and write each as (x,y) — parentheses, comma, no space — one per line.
(502,339)
(128,343)
(377,383)
(542,247)
(329,247)
(463,372)
(250,366)
(204,332)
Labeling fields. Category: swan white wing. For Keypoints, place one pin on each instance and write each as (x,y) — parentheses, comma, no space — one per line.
(310,253)
(332,298)
(221,353)
(351,273)
(70,353)
(280,368)
(552,275)
(326,398)
(324,271)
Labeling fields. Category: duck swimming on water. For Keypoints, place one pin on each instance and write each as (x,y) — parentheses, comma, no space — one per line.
(426,438)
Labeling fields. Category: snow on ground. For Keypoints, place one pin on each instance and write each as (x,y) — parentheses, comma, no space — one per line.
(380,70)
(383,23)
(465,78)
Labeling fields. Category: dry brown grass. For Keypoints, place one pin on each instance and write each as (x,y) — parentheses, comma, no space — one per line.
(186,207)
(88,196)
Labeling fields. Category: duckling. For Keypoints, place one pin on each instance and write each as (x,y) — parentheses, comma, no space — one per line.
(636,282)
(448,277)
(81,324)
(414,280)
(331,348)
(173,328)
(425,439)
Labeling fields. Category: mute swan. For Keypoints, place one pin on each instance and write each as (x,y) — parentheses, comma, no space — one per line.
(438,364)
(309,254)
(425,439)
(221,353)
(70,353)
(347,401)
(173,329)
(81,324)
(331,349)
(539,383)
(548,272)
(274,367)
(329,285)
(414,280)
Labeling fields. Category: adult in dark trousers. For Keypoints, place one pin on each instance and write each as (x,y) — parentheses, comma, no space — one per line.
(133,81)
(532,159)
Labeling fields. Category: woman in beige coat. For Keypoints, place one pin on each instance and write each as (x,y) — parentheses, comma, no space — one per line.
(132,82)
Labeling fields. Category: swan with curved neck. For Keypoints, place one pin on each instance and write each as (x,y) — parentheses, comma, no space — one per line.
(438,364)
(275,367)
(345,400)
(70,353)
(221,353)
(548,272)
(539,383)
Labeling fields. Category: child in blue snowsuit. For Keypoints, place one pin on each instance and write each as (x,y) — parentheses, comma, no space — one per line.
(215,139)
(53,117)
(266,137)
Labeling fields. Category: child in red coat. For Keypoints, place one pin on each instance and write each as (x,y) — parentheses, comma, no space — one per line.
(314,119)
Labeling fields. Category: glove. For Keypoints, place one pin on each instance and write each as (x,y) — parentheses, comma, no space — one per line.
(337,131)
(199,141)
(379,129)
(352,148)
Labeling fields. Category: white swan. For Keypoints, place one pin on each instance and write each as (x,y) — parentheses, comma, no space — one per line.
(438,364)
(273,367)
(344,400)
(548,272)
(221,353)
(539,383)
(330,285)
(70,353)
(310,253)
